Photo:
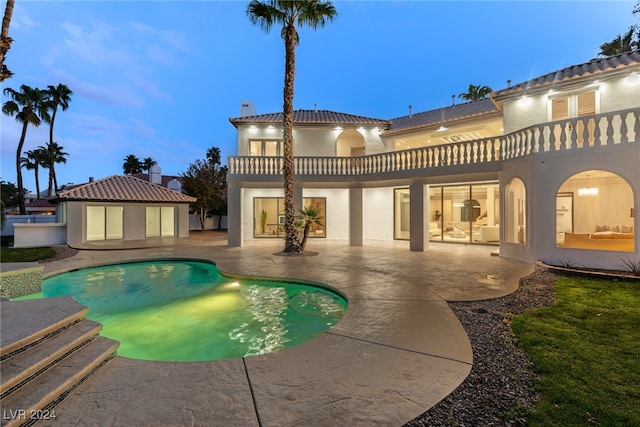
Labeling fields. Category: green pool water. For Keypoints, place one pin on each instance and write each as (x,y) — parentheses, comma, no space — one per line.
(188,311)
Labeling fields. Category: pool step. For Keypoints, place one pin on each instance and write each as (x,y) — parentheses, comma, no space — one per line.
(47,363)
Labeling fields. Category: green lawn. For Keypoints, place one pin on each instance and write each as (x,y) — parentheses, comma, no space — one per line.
(586,348)
(25,254)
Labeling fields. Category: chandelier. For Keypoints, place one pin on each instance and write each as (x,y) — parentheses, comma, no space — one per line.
(588,191)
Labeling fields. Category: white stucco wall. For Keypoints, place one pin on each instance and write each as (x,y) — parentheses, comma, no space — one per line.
(615,94)
(378,213)
(309,141)
(336,218)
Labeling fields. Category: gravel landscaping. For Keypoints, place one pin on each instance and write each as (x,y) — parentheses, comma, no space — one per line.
(500,388)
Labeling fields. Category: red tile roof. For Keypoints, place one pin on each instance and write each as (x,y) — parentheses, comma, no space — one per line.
(118,188)
(311,117)
(40,203)
(593,68)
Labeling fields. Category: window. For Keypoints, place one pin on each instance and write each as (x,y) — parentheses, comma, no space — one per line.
(401,214)
(594,210)
(573,106)
(104,222)
(515,207)
(268,216)
(464,213)
(160,221)
(270,148)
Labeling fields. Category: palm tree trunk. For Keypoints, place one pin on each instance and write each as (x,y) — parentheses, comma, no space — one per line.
(291,236)
(5,40)
(37,182)
(23,210)
(52,173)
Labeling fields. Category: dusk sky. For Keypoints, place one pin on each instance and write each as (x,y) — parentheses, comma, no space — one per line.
(161,79)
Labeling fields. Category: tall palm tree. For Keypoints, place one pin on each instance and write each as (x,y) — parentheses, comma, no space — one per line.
(58,96)
(475,93)
(29,106)
(54,155)
(5,40)
(289,14)
(131,165)
(148,163)
(33,160)
(620,44)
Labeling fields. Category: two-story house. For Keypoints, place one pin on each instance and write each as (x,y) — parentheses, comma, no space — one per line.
(548,169)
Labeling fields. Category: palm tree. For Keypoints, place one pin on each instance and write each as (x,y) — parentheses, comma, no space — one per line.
(620,44)
(147,164)
(475,93)
(308,216)
(54,155)
(131,165)
(58,96)
(33,160)
(5,40)
(289,14)
(29,106)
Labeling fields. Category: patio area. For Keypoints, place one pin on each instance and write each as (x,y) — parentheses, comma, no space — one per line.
(398,350)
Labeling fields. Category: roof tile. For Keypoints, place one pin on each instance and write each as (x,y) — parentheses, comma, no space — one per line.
(118,188)
(595,66)
(443,115)
(311,117)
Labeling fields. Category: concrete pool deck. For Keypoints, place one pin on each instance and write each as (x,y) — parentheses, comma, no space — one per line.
(398,350)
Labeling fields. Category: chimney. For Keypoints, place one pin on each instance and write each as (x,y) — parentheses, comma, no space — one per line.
(410,107)
(90,179)
(508,83)
(453,100)
(247,109)
(315,108)
(155,175)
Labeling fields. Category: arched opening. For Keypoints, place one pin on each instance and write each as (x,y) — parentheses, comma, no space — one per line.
(594,210)
(350,143)
(515,208)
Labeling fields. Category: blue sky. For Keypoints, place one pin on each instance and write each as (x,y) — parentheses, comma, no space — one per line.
(161,79)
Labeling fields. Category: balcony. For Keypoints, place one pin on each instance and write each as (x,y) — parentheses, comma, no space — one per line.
(576,134)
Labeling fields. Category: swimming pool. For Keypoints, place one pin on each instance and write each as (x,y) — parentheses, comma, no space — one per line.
(186,310)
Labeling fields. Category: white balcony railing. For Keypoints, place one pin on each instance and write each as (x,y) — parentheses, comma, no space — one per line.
(580,133)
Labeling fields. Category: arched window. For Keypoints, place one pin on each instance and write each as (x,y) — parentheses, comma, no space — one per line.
(594,210)
(515,207)
(350,143)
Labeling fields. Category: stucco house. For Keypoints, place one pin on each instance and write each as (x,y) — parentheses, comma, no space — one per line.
(122,208)
(547,169)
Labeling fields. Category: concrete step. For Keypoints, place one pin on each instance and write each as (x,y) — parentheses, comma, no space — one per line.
(21,367)
(24,323)
(46,390)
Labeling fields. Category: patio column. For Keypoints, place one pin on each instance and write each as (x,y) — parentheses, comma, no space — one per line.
(355,216)
(418,217)
(234,209)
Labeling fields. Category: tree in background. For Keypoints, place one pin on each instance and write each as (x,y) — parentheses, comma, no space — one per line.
(54,155)
(206,180)
(131,165)
(5,40)
(33,161)
(623,43)
(290,14)
(148,163)
(29,106)
(475,93)
(308,216)
(58,96)
(9,194)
